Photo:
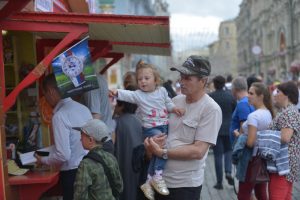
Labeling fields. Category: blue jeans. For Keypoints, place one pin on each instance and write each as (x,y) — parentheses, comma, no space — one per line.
(223,147)
(156,163)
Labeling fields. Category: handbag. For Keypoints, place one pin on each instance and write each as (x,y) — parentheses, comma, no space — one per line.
(257,170)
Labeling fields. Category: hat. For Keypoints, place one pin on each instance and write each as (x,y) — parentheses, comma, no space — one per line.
(194,65)
(96,129)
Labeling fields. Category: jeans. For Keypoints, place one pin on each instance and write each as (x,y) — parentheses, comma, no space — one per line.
(279,188)
(150,132)
(156,163)
(185,193)
(67,179)
(223,147)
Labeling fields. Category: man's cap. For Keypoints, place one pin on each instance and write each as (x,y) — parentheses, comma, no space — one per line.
(194,65)
(96,129)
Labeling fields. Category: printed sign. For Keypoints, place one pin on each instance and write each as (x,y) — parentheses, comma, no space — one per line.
(73,70)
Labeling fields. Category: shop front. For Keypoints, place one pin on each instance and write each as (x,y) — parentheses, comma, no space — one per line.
(33,40)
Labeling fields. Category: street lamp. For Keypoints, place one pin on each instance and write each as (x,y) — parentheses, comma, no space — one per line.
(291,11)
(256,50)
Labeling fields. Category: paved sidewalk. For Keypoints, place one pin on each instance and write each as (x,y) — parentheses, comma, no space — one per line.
(210,193)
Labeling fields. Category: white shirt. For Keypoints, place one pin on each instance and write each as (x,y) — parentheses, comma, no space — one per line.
(261,119)
(68,151)
(153,106)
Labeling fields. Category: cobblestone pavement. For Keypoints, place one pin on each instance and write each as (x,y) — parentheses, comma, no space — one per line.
(210,193)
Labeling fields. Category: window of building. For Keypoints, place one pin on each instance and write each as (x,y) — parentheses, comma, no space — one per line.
(227,45)
(226,31)
(245,56)
(270,42)
(282,45)
(296,31)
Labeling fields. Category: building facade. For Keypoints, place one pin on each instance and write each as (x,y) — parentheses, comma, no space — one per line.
(268,39)
(128,62)
(223,53)
(146,8)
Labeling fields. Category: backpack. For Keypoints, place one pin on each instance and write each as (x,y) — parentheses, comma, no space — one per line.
(96,157)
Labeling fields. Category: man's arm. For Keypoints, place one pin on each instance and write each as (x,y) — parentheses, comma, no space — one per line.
(61,134)
(243,110)
(195,151)
(209,126)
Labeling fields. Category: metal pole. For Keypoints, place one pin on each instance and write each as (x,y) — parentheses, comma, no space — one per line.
(291,11)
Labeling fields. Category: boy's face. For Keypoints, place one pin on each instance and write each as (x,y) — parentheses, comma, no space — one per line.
(86,141)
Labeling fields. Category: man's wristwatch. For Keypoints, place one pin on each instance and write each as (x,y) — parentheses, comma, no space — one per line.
(165,154)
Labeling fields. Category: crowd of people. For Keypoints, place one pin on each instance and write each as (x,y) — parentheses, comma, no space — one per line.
(265,120)
(154,143)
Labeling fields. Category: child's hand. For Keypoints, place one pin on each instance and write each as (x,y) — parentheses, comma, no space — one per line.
(113,93)
(178,111)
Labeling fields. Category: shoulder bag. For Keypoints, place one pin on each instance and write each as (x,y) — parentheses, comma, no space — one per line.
(257,170)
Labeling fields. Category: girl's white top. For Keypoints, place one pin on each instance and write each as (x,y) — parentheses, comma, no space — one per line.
(261,119)
(154,106)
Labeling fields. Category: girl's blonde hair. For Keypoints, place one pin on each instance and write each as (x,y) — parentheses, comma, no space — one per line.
(142,65)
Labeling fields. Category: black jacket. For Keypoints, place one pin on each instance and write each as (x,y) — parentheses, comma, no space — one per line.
(227,103)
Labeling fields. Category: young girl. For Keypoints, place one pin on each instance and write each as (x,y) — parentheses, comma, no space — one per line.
(258,120)
(154,105)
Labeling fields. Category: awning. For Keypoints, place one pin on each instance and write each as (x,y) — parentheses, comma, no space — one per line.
(126,33)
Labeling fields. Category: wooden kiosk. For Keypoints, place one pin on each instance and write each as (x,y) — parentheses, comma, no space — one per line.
(110,37)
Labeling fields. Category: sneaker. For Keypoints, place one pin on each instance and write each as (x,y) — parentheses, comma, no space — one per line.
(218,186)
(148,191)
(160,186)
(229,179)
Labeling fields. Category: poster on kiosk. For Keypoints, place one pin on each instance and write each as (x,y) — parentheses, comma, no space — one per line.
(74,71)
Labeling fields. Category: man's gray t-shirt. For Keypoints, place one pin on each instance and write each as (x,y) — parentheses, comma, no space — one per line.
(201,122)
(98,102)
